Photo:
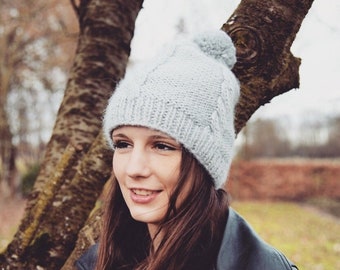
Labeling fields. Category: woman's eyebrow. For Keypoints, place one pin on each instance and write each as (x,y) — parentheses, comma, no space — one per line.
(163,137)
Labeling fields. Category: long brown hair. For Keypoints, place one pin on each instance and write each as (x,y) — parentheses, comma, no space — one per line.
(191,232)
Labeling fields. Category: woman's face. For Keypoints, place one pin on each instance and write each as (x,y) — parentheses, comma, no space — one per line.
(146,164)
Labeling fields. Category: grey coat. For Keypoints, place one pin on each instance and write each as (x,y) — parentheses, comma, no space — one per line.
(241,249)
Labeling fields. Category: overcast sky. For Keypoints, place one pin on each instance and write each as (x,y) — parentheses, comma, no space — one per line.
(317,43)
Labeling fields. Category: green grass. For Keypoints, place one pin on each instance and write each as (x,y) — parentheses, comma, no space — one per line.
(309,238)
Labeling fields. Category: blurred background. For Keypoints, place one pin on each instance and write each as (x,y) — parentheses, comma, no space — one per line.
(287,158)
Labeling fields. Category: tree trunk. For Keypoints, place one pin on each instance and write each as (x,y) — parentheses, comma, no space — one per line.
(7,154)
(77,162)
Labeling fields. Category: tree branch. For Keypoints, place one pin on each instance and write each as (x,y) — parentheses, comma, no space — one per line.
(263,32)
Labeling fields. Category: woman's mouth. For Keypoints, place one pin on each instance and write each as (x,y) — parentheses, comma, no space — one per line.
(143,195)
(143,192)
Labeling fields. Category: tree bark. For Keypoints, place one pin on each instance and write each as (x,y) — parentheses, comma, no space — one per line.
(77,162)
(263,32)
(7,153)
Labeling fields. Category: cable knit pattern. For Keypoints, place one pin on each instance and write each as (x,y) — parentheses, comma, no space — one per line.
(188,92)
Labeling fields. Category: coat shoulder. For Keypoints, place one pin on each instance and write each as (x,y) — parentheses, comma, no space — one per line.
(88,260)
(242,248)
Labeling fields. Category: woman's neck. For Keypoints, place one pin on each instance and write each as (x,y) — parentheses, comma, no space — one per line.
(155,235)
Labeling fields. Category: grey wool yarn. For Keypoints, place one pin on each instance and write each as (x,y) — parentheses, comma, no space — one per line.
(187,91)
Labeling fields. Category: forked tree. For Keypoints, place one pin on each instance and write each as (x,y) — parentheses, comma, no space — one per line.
(59,223)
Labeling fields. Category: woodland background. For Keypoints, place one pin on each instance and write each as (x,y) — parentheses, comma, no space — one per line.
(277,159)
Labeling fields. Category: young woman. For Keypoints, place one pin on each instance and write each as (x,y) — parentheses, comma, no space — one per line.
(170,124)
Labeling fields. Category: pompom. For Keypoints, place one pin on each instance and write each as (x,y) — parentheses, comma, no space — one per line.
(218,45)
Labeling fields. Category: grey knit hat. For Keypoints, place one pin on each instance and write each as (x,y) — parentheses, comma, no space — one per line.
(188,92)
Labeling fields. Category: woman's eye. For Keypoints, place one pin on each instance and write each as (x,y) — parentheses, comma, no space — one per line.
(121,145)
(164,146)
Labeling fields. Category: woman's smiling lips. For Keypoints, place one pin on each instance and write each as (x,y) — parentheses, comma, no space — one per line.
(143,196)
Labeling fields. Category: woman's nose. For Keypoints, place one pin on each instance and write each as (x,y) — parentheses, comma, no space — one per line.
(138,165)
